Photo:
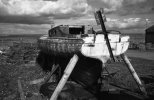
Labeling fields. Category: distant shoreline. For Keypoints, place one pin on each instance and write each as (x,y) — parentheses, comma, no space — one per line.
(19,34)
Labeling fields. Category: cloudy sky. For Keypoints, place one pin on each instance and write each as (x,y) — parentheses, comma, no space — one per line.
(36,16)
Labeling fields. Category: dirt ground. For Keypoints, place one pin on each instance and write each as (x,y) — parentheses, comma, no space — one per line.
(149,54)
(143,63)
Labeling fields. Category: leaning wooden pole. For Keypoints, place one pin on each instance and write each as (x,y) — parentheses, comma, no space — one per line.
(67,72)
(105,33)
(134,74)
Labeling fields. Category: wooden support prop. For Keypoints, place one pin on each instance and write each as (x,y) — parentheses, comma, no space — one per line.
(22,97)
(51,73)
(44,80)
(67,72)
(105,33)
(134,74)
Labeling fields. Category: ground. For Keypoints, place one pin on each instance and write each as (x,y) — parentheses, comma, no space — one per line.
(13,68)
(149,54)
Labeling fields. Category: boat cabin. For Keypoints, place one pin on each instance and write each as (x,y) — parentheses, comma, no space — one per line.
(67,30)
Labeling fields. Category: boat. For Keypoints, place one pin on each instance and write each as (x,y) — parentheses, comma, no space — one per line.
(91,48)
(72,39)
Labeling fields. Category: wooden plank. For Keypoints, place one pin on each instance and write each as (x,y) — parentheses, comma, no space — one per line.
(37,81)
(51,73)
(136,96)
(125,91)
(44,80)
(67,72)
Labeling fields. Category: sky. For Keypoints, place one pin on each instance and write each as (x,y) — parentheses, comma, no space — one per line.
(37,16)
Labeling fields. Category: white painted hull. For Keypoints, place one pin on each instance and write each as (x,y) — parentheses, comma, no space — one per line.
(98,49)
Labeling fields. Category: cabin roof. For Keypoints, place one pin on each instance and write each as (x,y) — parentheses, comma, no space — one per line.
(150,29)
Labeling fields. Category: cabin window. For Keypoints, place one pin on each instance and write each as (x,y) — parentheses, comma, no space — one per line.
(76,30)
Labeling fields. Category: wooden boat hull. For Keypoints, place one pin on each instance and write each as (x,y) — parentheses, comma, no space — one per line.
(65,46)
(60,45)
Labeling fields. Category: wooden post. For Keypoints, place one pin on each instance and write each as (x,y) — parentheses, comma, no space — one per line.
(22,97)
(134,74)
(67,72)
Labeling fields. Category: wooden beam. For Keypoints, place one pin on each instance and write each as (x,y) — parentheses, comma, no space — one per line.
(134,74)
(67,72)
(105,33)
(51,73)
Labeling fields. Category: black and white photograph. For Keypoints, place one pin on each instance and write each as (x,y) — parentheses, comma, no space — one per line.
(76,49)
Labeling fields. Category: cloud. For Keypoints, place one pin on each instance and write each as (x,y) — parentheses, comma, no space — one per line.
(124,7)
(108,5)
(128,23)
(47,9)
(131,7)
(75,11)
